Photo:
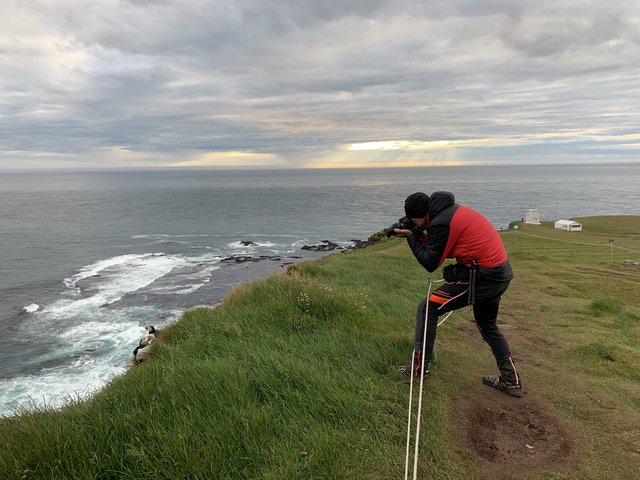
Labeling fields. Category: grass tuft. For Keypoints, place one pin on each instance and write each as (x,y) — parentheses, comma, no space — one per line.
(597,350)
(606,306)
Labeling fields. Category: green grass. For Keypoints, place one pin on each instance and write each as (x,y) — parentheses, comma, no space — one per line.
(290,377)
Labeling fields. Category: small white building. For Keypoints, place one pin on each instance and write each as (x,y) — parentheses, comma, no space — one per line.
(568,225)
(532,217)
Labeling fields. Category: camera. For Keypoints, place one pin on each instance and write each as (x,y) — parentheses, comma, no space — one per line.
(404,223)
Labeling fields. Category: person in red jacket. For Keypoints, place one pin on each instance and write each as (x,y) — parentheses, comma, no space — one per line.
(479,277)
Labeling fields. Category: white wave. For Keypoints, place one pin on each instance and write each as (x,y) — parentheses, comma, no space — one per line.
(54,387)
(206,258)
(96,351)
(240,245)
(87,335)
(212,307)
(99,266)
(107,281)
(345,243)
(179,289)
(114,278)
(94,343)
(187,277)
(32,308)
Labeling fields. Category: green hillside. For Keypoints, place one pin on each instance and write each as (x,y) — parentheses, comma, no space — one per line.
(291,377)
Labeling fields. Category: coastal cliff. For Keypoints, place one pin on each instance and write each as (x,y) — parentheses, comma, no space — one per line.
(292,377)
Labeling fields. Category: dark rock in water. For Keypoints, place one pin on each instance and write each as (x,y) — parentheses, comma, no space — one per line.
(239,259)
(247,258)
(248,243)
(325,246)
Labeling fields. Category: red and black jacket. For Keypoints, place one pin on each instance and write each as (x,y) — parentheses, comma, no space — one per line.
(456,231)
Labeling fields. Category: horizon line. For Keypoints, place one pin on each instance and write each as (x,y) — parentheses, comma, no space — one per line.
(317,167)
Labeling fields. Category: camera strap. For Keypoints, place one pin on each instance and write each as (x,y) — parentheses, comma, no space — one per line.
(473,275)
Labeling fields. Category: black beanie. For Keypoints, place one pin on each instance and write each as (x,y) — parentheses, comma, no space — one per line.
(416,205)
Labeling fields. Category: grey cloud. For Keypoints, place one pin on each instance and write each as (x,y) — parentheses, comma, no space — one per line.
(210,28)
(565,29)
(301,77)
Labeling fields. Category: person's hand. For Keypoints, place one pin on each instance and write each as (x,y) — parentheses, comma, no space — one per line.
(402,233)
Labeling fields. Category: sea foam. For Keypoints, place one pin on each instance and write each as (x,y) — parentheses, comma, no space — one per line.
(111,279)
(32,308)
(91,333)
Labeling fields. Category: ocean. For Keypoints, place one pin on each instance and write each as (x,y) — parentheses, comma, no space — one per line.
(88,258)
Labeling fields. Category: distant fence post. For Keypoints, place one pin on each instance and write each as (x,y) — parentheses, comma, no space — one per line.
(611,247)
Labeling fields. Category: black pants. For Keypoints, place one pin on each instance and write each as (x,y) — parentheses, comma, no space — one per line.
(453,296)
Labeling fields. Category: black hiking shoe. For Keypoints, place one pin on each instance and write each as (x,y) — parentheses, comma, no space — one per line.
(513,389)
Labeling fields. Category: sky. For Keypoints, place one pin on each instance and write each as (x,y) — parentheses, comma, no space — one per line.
(318,83)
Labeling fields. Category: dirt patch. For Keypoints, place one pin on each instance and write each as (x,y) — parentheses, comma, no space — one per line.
(525,359)
(468,328)
(525,334)
(511,332)
(511,437)
(557,291)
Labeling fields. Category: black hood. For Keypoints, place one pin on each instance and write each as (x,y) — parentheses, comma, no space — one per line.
(439,201)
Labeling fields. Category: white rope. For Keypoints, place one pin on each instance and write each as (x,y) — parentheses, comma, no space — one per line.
(419,413)
(447,316)
(406,459)
(422,371)
(424,344)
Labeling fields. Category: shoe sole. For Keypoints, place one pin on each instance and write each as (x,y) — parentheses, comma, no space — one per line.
(519,394)
(516,393)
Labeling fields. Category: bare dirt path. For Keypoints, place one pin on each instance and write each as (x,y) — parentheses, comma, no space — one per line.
(511,437)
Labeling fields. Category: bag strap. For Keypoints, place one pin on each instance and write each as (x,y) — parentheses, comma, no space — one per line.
(473,274)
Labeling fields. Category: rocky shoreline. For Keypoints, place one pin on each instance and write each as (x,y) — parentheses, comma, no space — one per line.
(324,246)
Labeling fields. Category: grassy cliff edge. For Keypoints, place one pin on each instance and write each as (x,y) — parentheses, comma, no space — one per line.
(290,377)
